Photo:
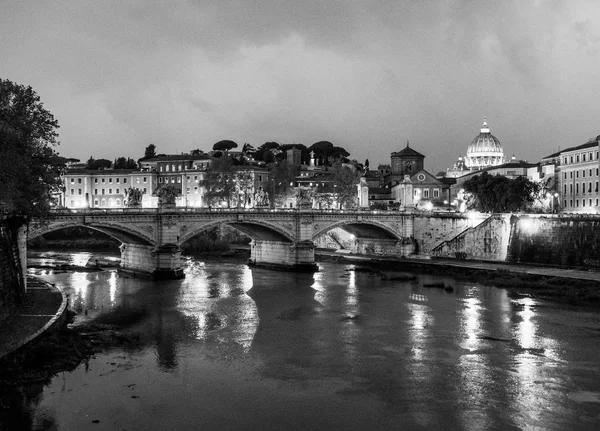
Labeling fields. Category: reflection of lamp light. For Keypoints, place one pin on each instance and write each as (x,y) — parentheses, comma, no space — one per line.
(528,225)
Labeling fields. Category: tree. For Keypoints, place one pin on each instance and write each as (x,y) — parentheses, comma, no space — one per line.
(282,176)
(345,179)
(328,153)
(267,151)
(30,169)
(497,194)
(97,164)
(150,152)
(219,182)
(124,163)
(224,145)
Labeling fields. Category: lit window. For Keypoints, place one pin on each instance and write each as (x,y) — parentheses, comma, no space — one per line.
(179,179)
(72,180)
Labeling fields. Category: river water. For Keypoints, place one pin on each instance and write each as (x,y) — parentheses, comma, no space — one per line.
(230,347)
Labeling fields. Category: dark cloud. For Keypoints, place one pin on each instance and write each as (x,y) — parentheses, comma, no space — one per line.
(365,75)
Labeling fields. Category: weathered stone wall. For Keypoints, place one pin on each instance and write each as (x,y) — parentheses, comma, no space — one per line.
(486,241)
(570,240)
(431,229)
(12,259)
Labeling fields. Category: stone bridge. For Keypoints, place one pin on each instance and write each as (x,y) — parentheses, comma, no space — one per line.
(151,239)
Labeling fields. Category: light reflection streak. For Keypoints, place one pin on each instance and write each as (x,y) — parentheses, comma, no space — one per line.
(421,320)
(112,285)
(473,366)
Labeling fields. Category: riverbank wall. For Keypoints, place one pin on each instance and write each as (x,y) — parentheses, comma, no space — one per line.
(13,264)
(548,239)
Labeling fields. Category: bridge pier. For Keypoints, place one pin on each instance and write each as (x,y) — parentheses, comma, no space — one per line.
(163,262)
(298,256)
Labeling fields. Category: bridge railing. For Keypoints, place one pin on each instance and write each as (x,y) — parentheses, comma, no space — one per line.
(204,210)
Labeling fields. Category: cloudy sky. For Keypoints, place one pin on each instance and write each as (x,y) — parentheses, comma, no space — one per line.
(366,75)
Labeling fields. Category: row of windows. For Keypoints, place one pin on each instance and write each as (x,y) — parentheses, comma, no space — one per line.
(583,188)
(102,191)
(167,168)
(580,158)
(582,203)
(110,180)
(425,193)
(583,171)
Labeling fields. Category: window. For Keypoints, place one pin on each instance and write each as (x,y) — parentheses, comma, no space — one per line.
(571,159)
(436,193)
(571,203)
(95,191)
(196,178)
(167,168)
(110,191)
(565,160)
(179,168)
(565,175)
(577,188)
(161,169)
(179,179)
(95,180)
(95,202)
(103,202)
(571,188)
(160,180)
(590,172)
(173,180)
(565,192)
(137,180)
(72,191)
(260,178)
(425,193)
(110,180)
(577,203)
(72,180)
(102,191)
(596,186)
(72,203)
(117,191)
(103,180)
(583,173)
(124,180)
(590,202)
(187,190)
(118,202)
(577,158)
(117,180)
(145,191)
(577,174)
(79,191)
(79,180)
(571,174)
(583,158)
(145,179)
(590,187)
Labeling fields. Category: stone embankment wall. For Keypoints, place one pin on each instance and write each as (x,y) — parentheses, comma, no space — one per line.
(12,261)
(487,240)
(430,230)
(564,240)
(569,240)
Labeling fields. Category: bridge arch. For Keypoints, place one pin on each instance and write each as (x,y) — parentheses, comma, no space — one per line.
(363,229)
(255,229)
(124,234)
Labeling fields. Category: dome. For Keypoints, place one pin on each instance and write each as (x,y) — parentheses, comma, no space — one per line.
(485,150)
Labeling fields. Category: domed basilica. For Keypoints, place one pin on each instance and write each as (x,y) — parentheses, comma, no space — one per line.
(484,152)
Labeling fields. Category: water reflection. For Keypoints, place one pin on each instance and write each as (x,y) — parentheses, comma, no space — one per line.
(357,351)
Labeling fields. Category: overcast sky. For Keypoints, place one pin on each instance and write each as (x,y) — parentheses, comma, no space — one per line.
(366,75)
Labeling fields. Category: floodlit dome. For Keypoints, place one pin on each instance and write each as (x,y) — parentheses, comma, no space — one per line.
(485,150)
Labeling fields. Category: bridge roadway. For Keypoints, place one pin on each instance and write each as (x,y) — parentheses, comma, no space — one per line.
(151,238)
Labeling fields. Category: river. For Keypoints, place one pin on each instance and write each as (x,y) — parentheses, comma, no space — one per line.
(230,347)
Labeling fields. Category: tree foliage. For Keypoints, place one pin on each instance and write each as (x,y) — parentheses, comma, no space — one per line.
(224,145)
(496,193)
(150,152)
(345,180)
(328,153)
(219,182)
(97,164)
(30,168)
(124,163)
